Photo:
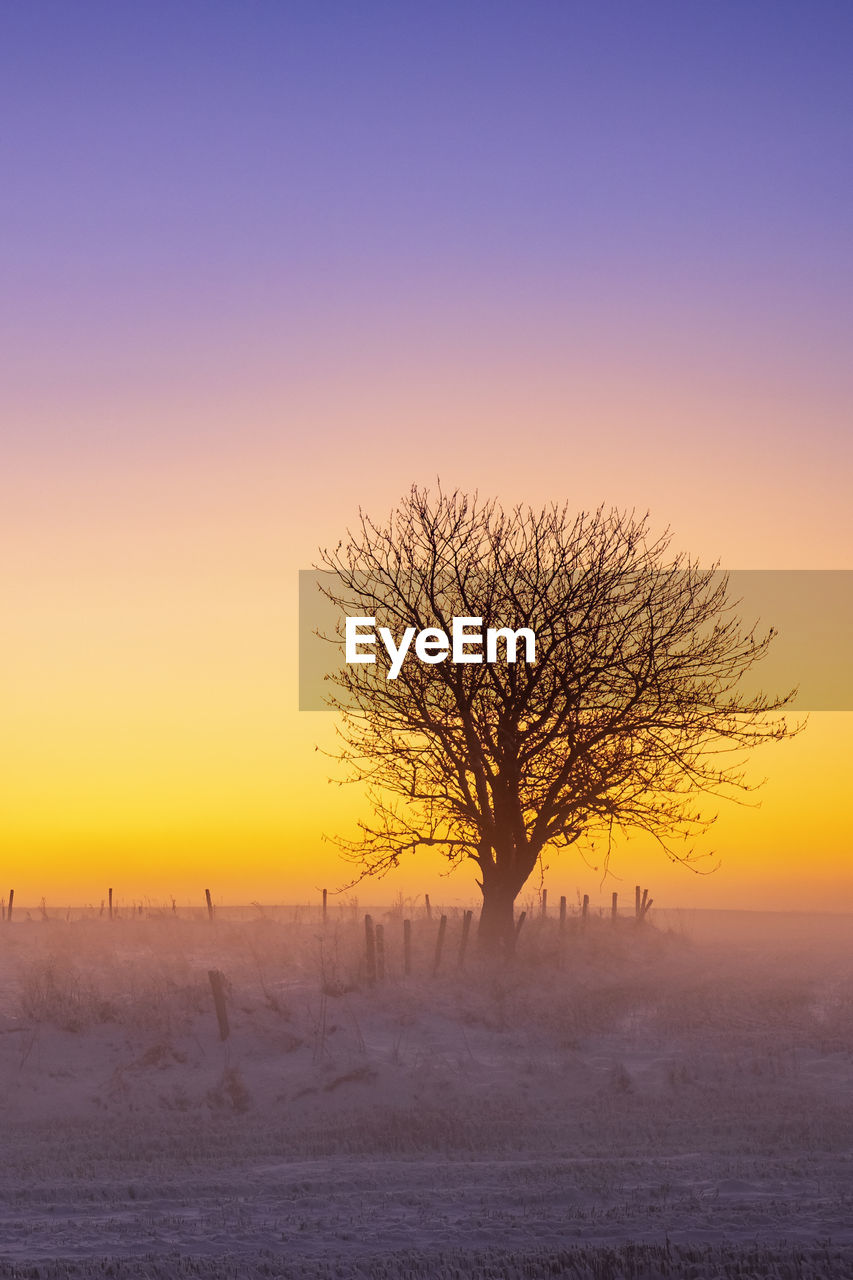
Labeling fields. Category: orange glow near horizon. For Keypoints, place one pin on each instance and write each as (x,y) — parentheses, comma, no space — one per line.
(155,746)
(151,738)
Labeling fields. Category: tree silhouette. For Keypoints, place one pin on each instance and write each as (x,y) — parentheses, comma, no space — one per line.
(629,714)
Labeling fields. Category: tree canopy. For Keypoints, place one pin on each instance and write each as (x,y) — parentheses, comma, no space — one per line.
(630,717)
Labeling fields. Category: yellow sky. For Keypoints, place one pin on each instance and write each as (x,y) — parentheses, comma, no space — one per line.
(151,737)
(152,742)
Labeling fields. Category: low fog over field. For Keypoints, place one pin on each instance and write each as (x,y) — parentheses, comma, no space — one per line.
(669,1098)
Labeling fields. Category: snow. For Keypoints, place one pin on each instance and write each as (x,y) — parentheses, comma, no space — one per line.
(665,1099)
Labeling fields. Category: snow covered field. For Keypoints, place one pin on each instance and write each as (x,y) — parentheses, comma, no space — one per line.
(670,1099)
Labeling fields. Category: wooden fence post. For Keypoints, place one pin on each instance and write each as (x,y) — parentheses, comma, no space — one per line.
(9,907)
(380,952)
(428,907)
(563,912)
(407,947)
(585,908)
(219,1002)
(637,903)
(370,949)
(209,901)
(325,895)
(518,927)
(614,909)
(463,944)
(544,903)
(110,896)
(439,944)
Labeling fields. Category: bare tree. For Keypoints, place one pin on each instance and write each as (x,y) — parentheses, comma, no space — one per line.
(628,715)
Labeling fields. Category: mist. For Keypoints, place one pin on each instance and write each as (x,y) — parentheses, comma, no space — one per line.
(619,1093)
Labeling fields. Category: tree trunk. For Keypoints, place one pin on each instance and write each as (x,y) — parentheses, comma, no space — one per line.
(496,930)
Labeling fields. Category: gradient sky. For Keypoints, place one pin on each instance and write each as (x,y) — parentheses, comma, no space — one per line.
(261,263)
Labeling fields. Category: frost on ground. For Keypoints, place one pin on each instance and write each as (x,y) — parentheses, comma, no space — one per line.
(622,1100)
